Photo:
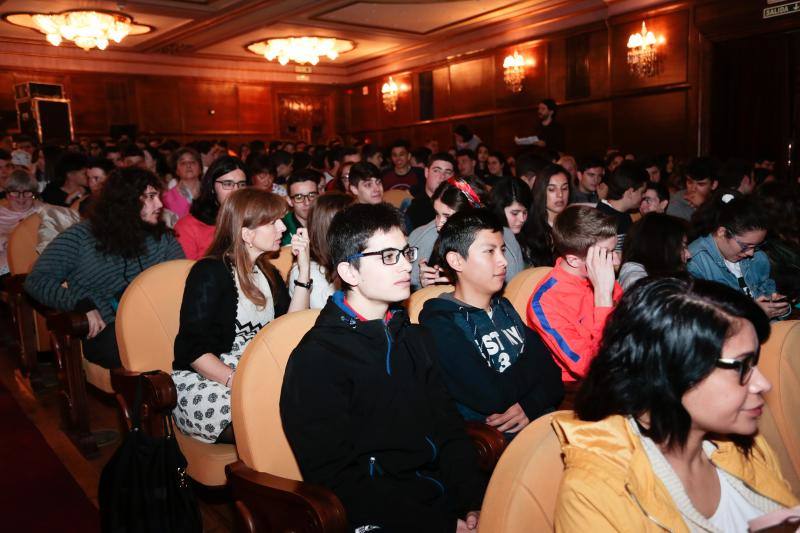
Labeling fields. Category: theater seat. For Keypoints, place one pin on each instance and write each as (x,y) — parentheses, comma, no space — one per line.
(780,424)
(396,197)
(283,261)
(521,496)
(519,289)
(417,299)
(148,319)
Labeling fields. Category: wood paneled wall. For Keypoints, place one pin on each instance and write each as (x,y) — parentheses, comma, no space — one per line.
(183,108)
(650,115)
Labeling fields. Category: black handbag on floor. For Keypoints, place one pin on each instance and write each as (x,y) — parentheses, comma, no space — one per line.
(144,486)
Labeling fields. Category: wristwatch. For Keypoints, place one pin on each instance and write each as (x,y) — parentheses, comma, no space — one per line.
(304,285)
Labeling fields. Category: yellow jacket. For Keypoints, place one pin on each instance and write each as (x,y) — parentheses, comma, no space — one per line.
(609,484)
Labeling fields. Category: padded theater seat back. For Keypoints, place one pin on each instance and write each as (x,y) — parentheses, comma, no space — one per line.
(520,288)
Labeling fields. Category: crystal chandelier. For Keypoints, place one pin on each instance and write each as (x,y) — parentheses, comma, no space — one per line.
(86,28)
(643,52)
(301,50)
(514,72)
(390,92)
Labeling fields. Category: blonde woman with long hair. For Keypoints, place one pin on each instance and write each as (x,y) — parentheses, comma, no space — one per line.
(230,295)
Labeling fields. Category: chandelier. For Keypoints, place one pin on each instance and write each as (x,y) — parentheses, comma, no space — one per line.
(301,50)
(514,71)
(390,92)
(86,28)
(643,52)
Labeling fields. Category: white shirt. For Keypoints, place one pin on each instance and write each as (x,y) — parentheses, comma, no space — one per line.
(736,270)
(320,290)
(733,511)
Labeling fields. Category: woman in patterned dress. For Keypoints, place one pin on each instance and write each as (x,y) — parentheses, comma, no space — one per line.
(230,295)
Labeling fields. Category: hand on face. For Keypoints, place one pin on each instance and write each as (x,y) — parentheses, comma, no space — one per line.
(301,250)
(600,270)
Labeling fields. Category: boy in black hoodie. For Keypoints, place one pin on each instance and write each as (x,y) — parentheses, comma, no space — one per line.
(497,369)
(362,404)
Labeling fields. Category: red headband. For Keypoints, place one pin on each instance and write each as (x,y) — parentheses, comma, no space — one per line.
(468,191)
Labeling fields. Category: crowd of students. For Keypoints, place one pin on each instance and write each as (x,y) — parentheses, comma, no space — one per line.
(664,277)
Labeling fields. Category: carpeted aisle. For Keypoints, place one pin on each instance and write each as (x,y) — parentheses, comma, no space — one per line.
(37,494)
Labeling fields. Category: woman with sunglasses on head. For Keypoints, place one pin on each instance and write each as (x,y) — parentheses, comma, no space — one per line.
(730,253)
(21,203)
(664,434)
(229,296)
(195,231)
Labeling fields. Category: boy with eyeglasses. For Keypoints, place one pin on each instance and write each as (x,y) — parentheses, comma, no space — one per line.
(363,405)
(440,168)
(302,191)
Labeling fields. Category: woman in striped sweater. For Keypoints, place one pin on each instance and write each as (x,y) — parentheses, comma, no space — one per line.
(100,256)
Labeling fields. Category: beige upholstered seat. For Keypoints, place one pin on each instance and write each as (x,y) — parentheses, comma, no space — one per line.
(147,324)
(396,196)
(780,424)
(284,261)
(417,300)
(521,496)
(255,398)
(519,289)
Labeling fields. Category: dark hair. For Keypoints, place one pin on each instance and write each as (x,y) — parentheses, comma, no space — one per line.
(102,163)
(352,228)
(206,206)
(504,193)
(69,162)
(732,173)
(660,188)
(656,241)
(551,105)
(259,163)
(611,156)
(702,168)
(537,235)
(459,232)
(628,175)
(663,338)
(422,155)
(500,156)
(301,176)
(530,164)
(441,156)
(731,210)
(300,161)
(400,143)
(5,155)
(362,172)
(115,218)
(369,150)
(280,157)
(131,150)
(585,163)
(455,198)
(463,131)
(467,152)
(180,152)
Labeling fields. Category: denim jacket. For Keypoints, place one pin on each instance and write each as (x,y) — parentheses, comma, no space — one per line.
(707,263)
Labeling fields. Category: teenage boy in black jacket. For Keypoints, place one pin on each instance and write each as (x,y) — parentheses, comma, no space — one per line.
(497,369)
(363,406)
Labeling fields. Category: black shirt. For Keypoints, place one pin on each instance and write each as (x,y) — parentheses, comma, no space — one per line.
(553,135)
(420,211)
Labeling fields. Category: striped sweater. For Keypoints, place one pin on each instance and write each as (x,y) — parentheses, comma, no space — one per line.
(95,280)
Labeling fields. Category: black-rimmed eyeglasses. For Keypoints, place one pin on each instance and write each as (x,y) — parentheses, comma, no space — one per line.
(745,366)
(390,256)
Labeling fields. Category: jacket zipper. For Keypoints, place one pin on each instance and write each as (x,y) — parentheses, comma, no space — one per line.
(432,480)
(388,349)
(642,509)
(374,467)
(433,448)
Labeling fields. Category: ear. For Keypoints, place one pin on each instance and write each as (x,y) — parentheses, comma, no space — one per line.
(348,273)
(353,190)
(455,261)
(289,200)
(714,185)
(426,172)
(663,204)
(573,260)
(247,235)
(721,233)
(628,193)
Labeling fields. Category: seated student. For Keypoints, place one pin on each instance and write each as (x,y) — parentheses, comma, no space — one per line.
(569,307)
(467,161)
(262,172)
(626,185)
(319,220)
(229,296)
(70,180)
(362,404)
(701,181)
(731,253)
(656,245)
(365,183)
(303,190)
(20,189)
(97,172)
(420,211)
(195,231)
(782,245)
(549,198)
(665,432)
(655,198)
(590,173)
(188,172)
(100,256)
(496,368)
(401,175)
(451,197)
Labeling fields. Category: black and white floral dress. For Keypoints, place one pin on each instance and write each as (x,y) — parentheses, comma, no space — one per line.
(204,405)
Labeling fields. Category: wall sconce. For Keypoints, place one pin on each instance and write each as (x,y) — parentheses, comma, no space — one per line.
(643,53)
(514,71)
(390,92)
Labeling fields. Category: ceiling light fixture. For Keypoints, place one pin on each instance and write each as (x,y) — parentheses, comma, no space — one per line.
(86,28)
(643,52)
(301,50)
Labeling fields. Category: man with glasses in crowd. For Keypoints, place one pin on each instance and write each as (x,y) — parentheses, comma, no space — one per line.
(302,190)
(363,382)
(420,211)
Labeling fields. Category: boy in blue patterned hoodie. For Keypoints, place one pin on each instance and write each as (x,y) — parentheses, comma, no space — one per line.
(496,368)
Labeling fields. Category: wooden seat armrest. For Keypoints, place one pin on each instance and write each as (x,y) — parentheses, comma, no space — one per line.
(489,442)
(159,396)
(265,502)
(15,284)
(70,324)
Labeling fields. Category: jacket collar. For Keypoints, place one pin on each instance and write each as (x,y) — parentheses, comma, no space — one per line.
(338,313)
(562,276)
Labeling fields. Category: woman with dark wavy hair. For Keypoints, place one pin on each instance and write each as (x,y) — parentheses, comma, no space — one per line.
(195,231)
(550,197)
(664,435)
(100,256)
